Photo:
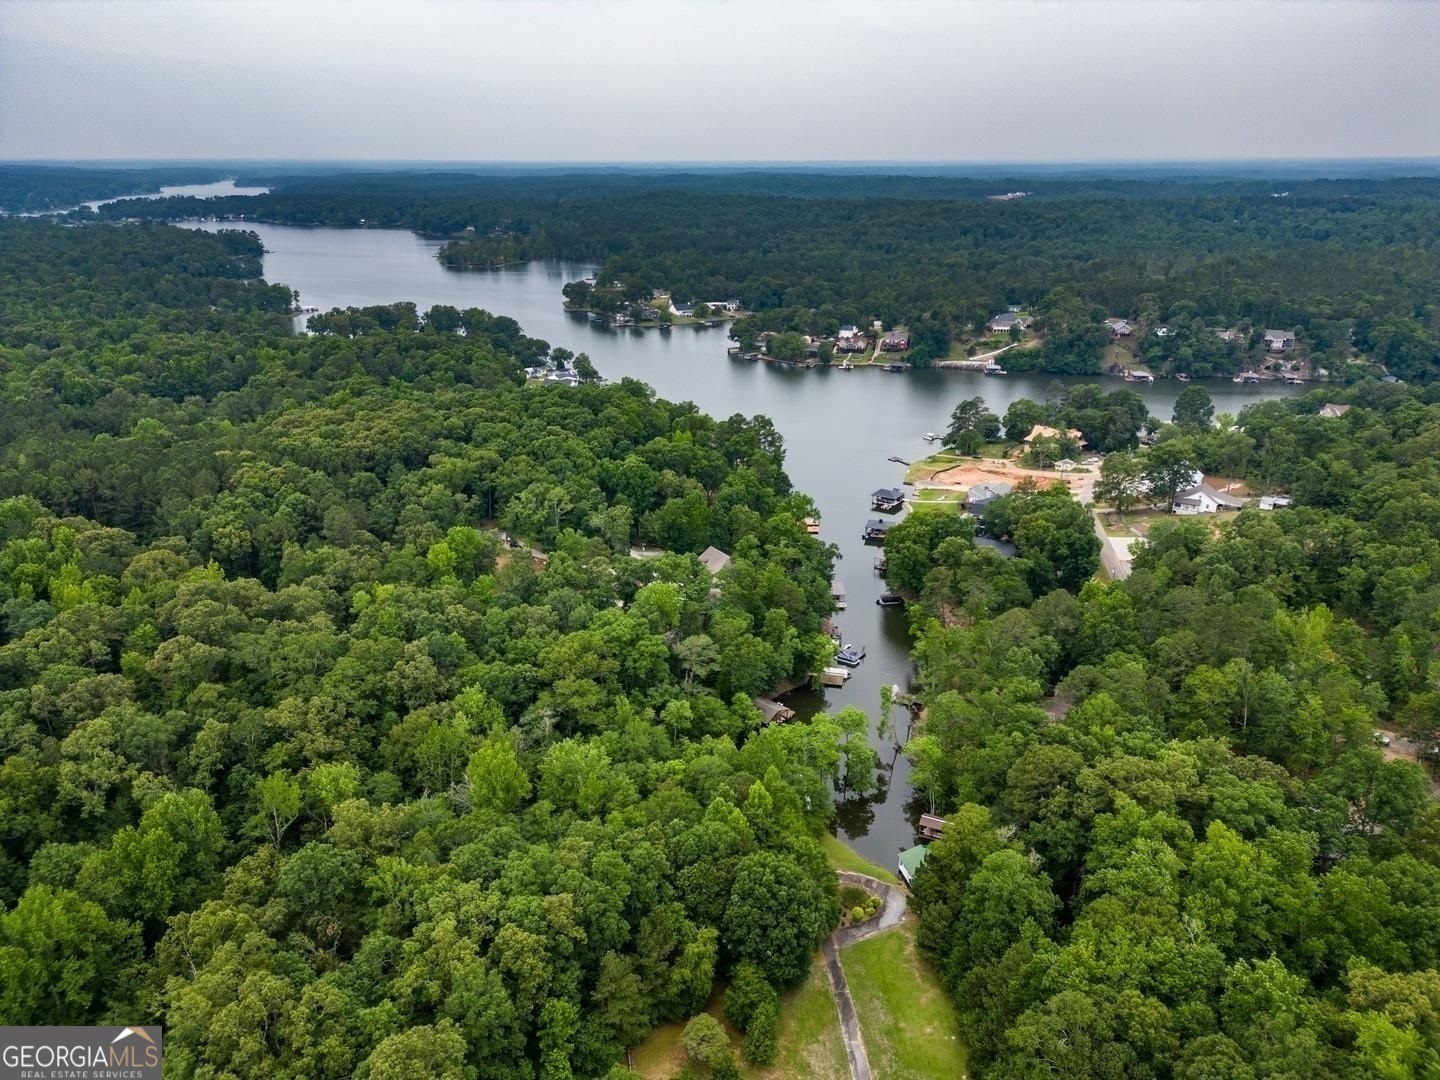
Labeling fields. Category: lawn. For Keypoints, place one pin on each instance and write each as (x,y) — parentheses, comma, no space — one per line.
(843,857)
(906,1019)
(810,1043)
(926,467)
(937,499)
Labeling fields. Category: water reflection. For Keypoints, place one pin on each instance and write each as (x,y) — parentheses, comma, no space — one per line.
(840,427)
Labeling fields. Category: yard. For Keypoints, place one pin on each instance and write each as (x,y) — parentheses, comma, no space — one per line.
(843,857)
(906,1019)
(945,499)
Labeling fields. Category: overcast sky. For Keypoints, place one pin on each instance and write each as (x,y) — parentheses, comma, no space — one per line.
(716,80)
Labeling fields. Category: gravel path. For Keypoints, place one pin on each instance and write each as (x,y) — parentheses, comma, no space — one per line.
(893,908)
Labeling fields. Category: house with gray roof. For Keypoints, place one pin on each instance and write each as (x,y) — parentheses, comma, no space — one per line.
(982,495)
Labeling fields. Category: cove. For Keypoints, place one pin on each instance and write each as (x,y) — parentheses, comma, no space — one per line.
(840,427)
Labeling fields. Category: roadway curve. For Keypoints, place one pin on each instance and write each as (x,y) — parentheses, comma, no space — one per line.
(892,911)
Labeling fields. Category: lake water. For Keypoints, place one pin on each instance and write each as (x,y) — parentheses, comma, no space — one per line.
(840,427)
(195,191)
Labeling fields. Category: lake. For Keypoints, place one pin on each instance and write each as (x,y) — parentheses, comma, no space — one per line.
(840,427)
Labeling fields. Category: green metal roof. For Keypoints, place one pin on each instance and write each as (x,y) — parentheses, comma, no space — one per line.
(911,859)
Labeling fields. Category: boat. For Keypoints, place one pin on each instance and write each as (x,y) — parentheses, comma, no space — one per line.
(897,460)
(1183,377)
(851,655)
(880,563)
(891,599)
(847,366)
(994,369)
(897,367)
(834,676)
(930,436)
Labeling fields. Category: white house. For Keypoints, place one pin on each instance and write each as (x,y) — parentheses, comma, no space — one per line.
(1119,327)
(1273,502)
(1002,323)
(1279,340)
(1203,499)
(1331,411)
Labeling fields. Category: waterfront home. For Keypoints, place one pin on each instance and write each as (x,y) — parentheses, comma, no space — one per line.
(1279,340)
(1203,499)
(685,311)
(910,861)
(850,339)
(887,500)
(714,560)
(1040,431)
(982,495)
(895,341)
(1331,411)
(1002,323)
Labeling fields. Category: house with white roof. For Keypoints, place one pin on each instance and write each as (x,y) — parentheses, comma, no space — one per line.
(1203,499)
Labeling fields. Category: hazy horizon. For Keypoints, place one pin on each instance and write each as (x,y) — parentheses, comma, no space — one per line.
(639,82)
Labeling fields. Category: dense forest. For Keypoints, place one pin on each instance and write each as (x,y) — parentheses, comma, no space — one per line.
(301,760)
(365,711)
(29,189)
(1351,265)
(1176,848)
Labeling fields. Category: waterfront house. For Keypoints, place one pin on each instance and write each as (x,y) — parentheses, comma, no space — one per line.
(887,500)
(685,311)
(1002,323)
(982,495)
(1040,431)
(714,560)
(1203,499)
(850,339)
(911,860)
(1331,411)
(1279,340)
(895,341)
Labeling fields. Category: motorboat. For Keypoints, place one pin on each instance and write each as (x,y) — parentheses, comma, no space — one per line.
(851,655)
(890,599)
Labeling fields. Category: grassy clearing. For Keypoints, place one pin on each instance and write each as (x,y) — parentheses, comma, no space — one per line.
(843,857)
(927,467)
(906,1019)
(937,499)
(661,1057)
(810,1042)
